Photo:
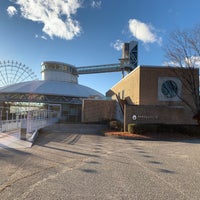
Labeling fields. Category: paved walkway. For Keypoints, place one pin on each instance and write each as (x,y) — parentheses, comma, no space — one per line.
(11,140)
(74,162)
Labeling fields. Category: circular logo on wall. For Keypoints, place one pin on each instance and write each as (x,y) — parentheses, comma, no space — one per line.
(169,89)
(134,117)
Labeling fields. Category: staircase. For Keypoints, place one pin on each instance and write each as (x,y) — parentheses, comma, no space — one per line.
(88,129)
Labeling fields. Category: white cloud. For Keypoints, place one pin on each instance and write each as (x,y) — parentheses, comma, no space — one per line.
(144,32)
(56,15)
(117,45)
(11,10)
(170,63)
(193,61)
(42,37)
(96,4)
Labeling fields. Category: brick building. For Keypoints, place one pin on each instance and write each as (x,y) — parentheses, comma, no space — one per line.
(156,95)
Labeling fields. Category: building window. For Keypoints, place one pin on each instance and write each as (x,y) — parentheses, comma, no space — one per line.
(169,89)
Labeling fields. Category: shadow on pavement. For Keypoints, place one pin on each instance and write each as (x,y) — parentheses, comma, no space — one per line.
(67,133)
(13,150)
(166,171)
(89,171)
(73,152)
(61,136)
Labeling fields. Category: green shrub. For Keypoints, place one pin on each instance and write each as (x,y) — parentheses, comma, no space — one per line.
(116,125)
(192,130)
(142,128)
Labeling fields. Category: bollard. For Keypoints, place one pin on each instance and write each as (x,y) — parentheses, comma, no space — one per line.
(23,134)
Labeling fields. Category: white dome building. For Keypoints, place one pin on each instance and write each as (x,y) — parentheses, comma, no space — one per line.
(58,90)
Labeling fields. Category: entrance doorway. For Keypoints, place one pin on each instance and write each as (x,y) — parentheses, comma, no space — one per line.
(55,108)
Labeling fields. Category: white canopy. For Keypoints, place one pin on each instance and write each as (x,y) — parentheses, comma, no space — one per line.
(46,87)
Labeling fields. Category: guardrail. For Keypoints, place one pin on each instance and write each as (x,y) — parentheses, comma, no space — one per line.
(36,124)
(9,125)
(32,121)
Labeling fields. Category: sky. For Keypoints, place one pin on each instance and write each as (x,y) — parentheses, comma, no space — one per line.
(90,32)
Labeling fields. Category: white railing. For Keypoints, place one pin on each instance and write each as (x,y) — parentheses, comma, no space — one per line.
(36,124)
(9,125)
(33,120)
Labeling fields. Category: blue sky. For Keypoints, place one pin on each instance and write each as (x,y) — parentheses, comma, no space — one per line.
(90,32)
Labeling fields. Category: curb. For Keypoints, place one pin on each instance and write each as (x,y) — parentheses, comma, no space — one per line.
(131,137)
(33,137)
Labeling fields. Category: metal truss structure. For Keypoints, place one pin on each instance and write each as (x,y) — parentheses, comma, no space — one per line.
(38,98)
(133,54)
(99,69)
(12,72)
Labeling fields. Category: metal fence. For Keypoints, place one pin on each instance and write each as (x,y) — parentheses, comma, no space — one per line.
(31,121)
(9,125)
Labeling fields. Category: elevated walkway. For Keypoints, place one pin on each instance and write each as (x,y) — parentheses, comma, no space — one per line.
(99,69)
(117,67)
(127,63)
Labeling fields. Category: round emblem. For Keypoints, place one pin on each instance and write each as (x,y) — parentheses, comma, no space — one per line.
(169,89)
(134,117)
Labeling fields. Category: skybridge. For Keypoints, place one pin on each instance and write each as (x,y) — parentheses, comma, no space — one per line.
(117,67)
(128,62)
(99,69)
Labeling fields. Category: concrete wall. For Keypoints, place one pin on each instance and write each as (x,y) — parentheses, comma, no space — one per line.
(94,111)
(157,114)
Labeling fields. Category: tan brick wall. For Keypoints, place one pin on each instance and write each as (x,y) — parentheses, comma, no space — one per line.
(128,87)
(98,110)
(149,85)
(140,87)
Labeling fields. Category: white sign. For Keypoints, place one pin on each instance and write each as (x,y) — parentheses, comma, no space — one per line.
(144,117)
(134,117)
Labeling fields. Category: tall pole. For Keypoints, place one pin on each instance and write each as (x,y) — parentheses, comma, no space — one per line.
(124,117)
(6,115)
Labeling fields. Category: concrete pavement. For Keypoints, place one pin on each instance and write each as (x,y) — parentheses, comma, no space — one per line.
(12,140)
(73,162)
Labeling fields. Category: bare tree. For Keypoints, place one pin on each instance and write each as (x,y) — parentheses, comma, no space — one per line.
(183,52)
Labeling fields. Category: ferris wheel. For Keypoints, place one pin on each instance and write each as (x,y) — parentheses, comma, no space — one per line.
(14,72)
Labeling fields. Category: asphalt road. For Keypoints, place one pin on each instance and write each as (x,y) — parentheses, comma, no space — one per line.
(75,164)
